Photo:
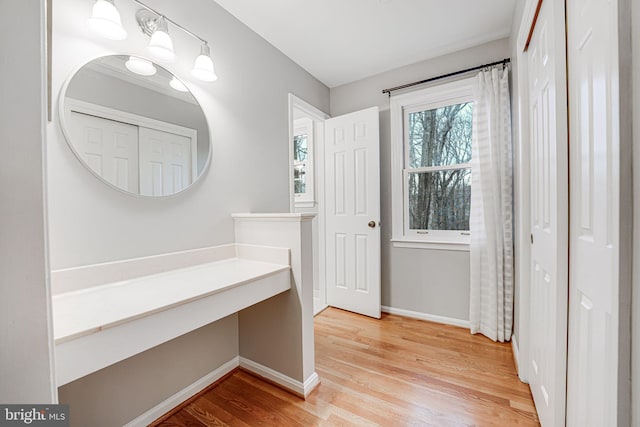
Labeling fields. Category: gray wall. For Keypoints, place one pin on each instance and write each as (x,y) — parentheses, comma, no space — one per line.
(423,280)
(25,341)
(635,307)
(625,262)
(91,223)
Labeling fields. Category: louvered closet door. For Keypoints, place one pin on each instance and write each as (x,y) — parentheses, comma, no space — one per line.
(549,218)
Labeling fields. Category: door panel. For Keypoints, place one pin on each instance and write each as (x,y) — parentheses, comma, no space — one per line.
(110,148)
(165,162)
(549,205)
(353,201)
(592,40)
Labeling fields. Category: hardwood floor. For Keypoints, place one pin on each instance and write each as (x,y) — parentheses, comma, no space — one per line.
(389,372)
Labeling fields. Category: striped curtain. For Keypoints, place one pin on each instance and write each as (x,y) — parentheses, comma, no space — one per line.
(491,302)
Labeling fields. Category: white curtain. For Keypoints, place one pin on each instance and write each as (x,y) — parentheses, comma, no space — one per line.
(491,302)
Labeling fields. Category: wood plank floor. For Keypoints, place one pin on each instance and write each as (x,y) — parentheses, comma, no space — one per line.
(389,372)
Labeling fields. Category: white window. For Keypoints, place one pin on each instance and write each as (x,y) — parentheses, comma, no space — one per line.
(431,133)
(303,182)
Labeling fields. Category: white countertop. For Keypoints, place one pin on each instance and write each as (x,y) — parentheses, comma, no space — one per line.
(94,309)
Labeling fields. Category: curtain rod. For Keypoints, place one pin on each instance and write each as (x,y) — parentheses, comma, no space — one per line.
(444,76)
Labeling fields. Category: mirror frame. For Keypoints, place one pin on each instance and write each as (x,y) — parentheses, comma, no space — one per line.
(65,129)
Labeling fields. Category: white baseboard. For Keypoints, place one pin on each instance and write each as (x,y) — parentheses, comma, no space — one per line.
(297,387)
(516,352)
(425,316)
(318,308)
(191,390)
(516,358)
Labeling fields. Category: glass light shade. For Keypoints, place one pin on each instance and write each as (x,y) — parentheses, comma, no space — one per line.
(161,45)
(203,66)
(178,85)
(140,66)
(105,20)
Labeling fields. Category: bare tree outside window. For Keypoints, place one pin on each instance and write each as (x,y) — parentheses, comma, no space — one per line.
(439,174)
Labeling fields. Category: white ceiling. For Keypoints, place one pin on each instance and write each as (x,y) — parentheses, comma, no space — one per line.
(340,41)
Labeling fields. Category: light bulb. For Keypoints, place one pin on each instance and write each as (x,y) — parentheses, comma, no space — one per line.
(140,66)
(105,20)
(178,85)
(161,45)
(203,66)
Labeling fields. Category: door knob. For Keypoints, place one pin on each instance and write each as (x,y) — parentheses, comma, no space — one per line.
(372,224)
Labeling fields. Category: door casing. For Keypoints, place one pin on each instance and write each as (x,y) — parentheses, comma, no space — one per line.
(318,116)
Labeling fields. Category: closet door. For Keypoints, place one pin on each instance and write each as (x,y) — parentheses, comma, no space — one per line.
(109,147)
(549,219)
(592,33)
(166,165)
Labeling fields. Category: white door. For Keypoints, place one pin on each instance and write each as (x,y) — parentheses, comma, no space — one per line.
(110,148)
(592,37)
(549,218)
(166,164)
(352,174)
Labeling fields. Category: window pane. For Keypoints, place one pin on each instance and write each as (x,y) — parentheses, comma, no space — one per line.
(440,200)
(299,181)
(441,136)
(300,147)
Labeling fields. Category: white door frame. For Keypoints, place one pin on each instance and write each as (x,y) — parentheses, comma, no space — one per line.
(522,188)
(319,117)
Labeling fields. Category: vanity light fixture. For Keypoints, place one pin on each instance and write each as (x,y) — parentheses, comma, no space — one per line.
(161,45)
(203,66)
(178,85)
(140,66)
(105,20)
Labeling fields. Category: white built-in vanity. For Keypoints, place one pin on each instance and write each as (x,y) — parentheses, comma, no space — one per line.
(99,325)
(105,313)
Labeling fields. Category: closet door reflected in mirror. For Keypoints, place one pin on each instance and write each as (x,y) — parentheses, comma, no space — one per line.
(138,131)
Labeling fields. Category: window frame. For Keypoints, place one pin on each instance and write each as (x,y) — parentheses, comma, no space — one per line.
(401,106)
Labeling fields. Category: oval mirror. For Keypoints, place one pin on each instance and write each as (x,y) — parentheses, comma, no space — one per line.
(135,126)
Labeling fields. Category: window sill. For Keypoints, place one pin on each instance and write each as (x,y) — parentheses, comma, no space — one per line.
(442,246)
(306,204)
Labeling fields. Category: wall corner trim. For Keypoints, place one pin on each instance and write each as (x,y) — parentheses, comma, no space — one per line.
(294,386)
(191,390)
(426,316)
